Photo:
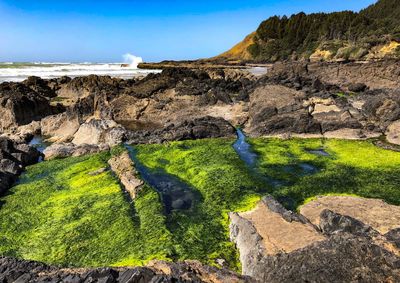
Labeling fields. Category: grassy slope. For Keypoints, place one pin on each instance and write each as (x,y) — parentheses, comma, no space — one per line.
(239,51)
(212,168)
(61,215)
(354,167)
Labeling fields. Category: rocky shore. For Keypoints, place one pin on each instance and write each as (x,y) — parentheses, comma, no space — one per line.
(90,114)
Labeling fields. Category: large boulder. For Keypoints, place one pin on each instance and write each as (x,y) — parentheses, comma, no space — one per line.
(60,128)
(99,132)
(20,105)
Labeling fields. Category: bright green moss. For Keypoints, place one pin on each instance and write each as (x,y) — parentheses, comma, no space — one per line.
(62,215)
(212,168)
(353,167)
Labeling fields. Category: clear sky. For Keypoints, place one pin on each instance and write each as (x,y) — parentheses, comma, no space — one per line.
(102,31)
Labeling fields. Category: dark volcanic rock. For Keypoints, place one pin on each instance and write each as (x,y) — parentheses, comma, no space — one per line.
(40,86)
(357,87)
(13,158)
(14,270)
(20,105)
(199,128)
(332,223)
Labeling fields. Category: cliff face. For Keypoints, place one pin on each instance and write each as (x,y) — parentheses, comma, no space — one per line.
(371,34)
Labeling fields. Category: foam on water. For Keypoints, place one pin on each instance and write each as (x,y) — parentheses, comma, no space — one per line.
(20,71)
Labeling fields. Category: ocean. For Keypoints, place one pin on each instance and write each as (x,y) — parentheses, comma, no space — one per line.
(16,72)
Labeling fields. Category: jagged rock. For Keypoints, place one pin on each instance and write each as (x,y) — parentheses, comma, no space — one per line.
(40,86)
(331,222)
(20,105)
(14,270)
(200,128)
(123,166)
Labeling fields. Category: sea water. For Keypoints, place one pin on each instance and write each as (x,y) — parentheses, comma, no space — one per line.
(16,72)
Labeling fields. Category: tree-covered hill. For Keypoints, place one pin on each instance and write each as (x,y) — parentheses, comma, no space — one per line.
(373,33)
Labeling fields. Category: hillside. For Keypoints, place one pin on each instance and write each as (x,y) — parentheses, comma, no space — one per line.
(373,33)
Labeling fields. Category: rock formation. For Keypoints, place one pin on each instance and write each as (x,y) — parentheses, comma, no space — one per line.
(14,270)
(13,159)
(277,245)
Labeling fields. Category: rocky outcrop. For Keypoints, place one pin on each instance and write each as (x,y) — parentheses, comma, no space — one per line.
(14,158)
(276,245)
(20,105)
(200,128)
(13,270)
(123,166)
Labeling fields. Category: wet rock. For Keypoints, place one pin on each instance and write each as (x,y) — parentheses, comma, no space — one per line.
(14,158)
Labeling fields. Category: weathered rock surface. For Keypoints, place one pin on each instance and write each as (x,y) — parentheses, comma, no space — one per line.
(99,132)
(393,133)
(376,213)
(281,232)
(341,248)
(63,150)
(123,166)
(13,270)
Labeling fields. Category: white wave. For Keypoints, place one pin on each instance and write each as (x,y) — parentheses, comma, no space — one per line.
(55,70)
(132,60)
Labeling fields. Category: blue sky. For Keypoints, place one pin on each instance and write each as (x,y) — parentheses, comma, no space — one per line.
(102,31)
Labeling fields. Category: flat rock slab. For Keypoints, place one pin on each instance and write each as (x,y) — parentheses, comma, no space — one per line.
(373,212)
(278,234)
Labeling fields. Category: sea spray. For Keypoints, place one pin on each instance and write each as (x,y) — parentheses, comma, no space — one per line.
(132,60)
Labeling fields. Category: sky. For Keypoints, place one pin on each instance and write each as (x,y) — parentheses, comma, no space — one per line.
(102,31)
